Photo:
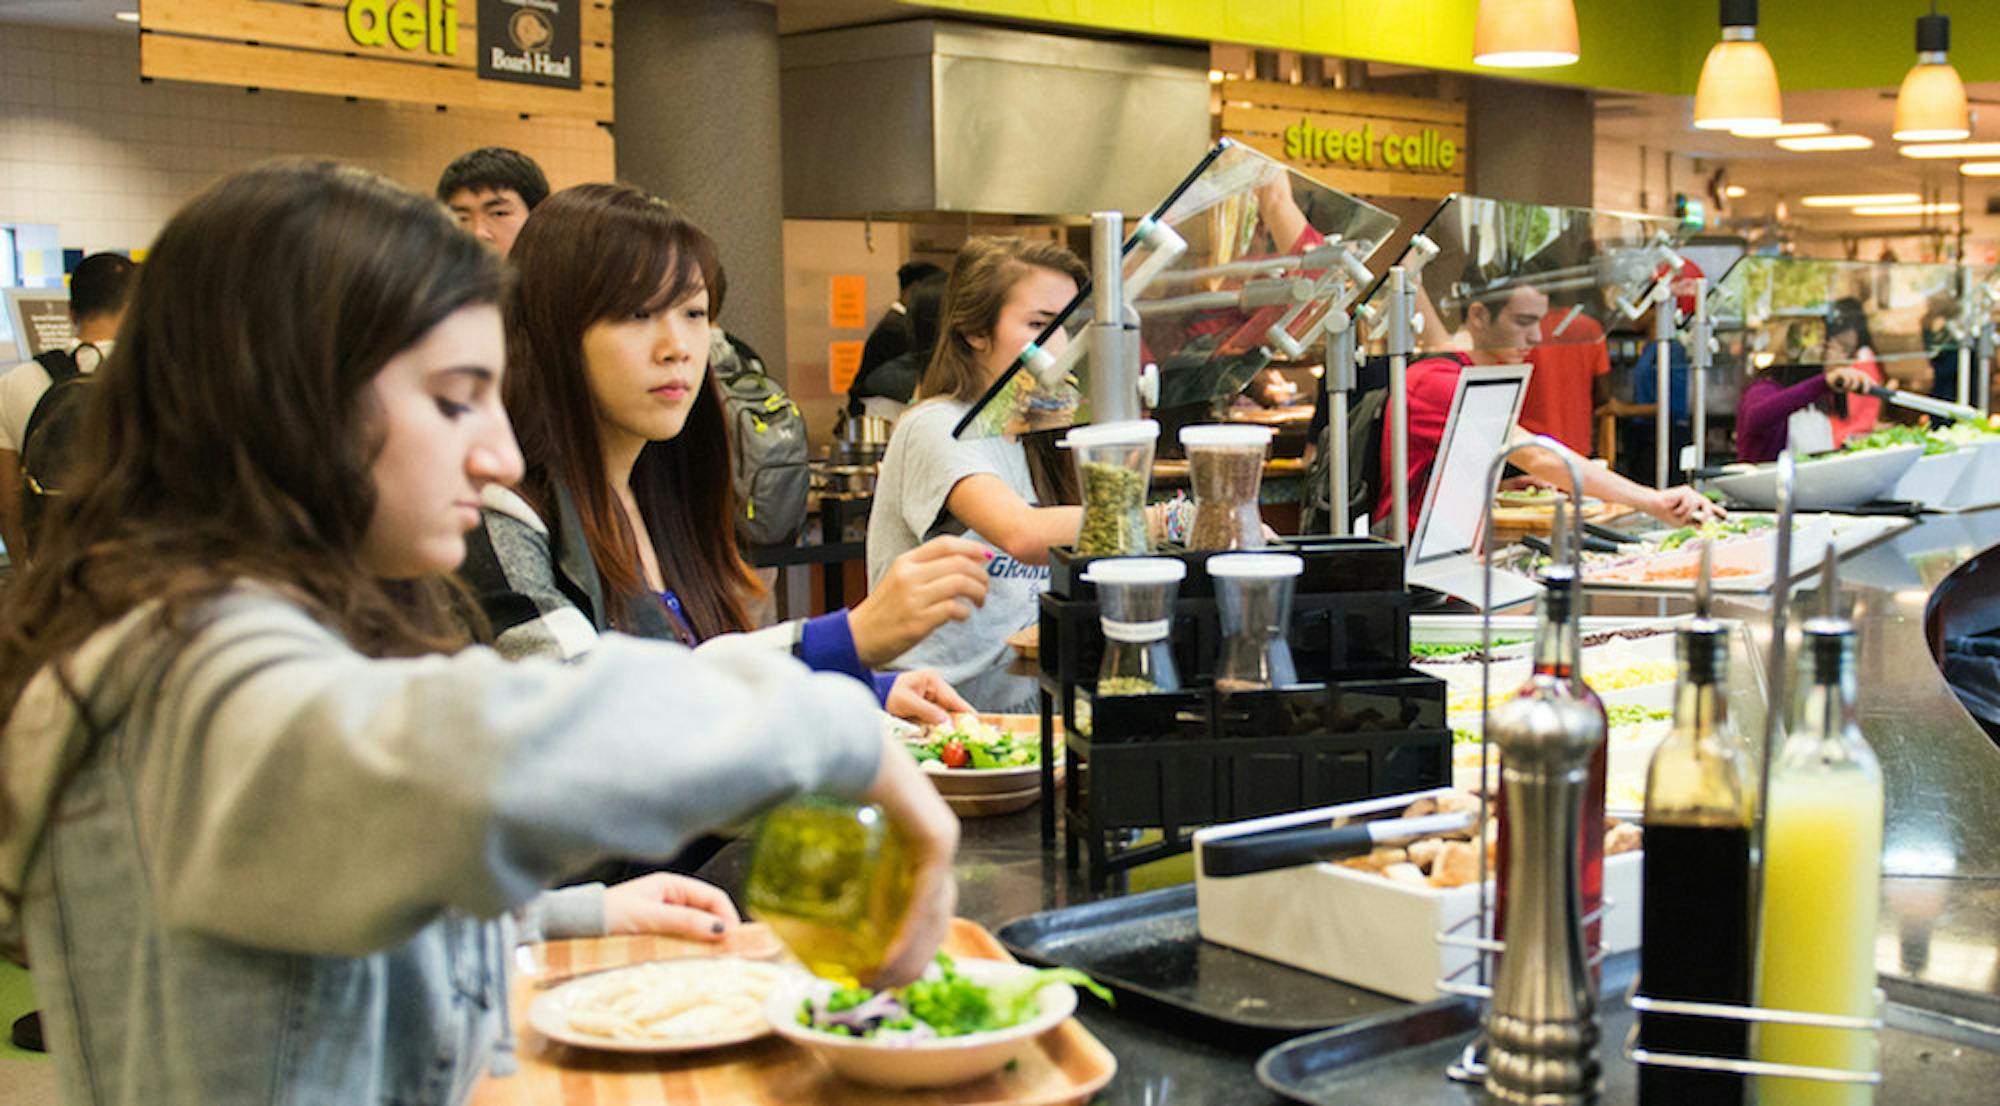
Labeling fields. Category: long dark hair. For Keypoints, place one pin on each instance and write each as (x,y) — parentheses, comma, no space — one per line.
(590,254)
(232,427)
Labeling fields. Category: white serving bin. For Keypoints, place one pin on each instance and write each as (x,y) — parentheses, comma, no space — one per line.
(1362,928)
(1827,483)
(1938,480)
(1980,486)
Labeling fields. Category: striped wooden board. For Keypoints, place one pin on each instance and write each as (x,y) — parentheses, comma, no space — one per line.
(1067,1066)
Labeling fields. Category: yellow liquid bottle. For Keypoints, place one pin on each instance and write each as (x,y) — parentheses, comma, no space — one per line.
(1822,882)
(832,881)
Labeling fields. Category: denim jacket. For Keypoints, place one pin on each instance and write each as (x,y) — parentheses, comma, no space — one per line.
(283,873)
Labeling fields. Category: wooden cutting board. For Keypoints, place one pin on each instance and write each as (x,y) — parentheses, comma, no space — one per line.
(1068,1064)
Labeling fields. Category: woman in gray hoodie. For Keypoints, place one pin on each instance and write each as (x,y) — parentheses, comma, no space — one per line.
(265,818)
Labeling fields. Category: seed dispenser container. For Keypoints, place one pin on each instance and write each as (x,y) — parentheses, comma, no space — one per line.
(1226,467)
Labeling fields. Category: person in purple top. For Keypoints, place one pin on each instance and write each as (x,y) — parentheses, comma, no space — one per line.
(1764,413)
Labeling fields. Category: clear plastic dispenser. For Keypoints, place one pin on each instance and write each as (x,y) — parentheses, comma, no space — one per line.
(1253,595)
(1136,600)
(1114,466)
(1226,469)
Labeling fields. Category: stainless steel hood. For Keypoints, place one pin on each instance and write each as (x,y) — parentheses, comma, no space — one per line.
(932,116)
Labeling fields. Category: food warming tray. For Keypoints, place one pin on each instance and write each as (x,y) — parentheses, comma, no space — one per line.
(1399,1057)
(1147,948)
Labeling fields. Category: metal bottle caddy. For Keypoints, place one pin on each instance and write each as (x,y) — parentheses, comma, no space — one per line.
(1774,716)
(1471,1066)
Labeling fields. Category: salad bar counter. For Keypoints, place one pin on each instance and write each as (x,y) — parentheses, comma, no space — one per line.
(1195,1022)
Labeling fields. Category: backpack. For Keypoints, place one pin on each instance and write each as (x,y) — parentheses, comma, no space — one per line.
(767,440)
(52,444)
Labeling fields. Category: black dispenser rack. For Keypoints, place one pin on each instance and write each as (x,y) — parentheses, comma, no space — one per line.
(1360,723)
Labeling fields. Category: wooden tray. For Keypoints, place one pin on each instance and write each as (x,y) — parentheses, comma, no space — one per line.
(1068,1065)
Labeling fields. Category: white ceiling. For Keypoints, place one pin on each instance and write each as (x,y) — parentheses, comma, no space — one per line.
(1772,174)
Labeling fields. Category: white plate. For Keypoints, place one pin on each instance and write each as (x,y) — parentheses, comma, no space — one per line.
(550,1015)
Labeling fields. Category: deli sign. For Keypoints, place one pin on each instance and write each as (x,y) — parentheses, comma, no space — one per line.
(531,41)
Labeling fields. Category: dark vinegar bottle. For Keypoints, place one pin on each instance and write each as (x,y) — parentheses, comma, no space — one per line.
(1695,927)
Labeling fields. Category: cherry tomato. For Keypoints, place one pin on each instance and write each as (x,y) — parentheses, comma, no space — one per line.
(954,755)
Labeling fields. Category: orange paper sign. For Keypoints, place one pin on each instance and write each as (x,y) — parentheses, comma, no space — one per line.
(843,360)
(847,304)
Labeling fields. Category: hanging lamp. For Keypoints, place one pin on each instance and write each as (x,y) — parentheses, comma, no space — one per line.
(1525,34)
(1930,107)
(1739,85)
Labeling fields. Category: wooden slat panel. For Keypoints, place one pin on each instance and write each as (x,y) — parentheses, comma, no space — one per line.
(597,21)
(1367,182)
(283,23)
(1277,94)
(1066,1064)
(170,57)
(323,26)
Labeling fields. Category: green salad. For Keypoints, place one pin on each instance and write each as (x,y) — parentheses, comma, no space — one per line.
(1627,714)
(1889,437)
(1712,531)
(1432,650)
(942,1004)
(970,742)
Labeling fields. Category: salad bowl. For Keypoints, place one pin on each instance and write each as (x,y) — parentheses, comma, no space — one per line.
(1824,483)
(905,1060)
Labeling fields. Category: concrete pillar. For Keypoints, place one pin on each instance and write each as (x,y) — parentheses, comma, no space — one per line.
(697,107)
(1532,143)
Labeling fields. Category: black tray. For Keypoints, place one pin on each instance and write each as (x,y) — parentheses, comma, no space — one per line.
(1147,949)
(1399,1058)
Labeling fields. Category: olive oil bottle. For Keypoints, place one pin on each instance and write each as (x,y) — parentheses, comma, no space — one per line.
(1695,940)
(832,880)
(1822,880)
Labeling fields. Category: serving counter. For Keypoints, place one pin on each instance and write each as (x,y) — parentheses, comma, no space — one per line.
(1939,944)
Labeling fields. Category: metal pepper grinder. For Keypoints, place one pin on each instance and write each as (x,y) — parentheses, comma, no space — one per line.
(1542,1029)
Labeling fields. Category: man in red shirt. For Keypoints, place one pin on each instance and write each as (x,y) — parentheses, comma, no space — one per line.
(1503,326)
(1569,362)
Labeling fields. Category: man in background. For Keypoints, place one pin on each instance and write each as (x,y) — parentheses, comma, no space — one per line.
(490,191)
(98,288)
(892,336)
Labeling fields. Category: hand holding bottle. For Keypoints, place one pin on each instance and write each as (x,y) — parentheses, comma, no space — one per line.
(928,832)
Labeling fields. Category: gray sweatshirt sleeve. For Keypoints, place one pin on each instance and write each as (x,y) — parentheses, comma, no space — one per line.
(313,800)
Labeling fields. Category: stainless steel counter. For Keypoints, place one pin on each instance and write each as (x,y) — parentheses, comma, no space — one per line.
(1939,945)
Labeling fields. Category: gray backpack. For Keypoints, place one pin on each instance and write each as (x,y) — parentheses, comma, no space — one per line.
(767,441)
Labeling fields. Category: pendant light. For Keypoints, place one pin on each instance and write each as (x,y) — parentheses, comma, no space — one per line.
(1525,34)
(1931,105)
(1739,85)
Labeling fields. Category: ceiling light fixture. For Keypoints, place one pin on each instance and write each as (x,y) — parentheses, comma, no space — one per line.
(1908,209)
(126,17)
(1525,34)
(1739,85)
(1734,192)
(1953,149)
(1930,107)
(1875,198)
(1780,130)
(1980,168)
(1825,143)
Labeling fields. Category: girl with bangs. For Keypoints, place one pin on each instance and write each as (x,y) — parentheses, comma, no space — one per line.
(625,517)
(263,815)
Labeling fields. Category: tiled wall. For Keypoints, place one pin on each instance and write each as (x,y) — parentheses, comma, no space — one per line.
(85,145)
